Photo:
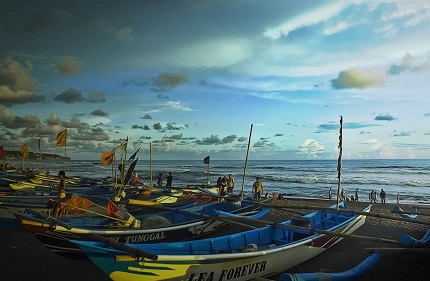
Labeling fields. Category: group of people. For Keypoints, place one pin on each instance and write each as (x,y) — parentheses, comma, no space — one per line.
(373,196)
(169,180)
(225,185)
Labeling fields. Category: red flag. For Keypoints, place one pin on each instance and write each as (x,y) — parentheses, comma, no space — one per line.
(206,160)
(1,152)
(112,209)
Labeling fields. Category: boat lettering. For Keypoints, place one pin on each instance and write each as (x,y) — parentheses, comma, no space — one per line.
(232,273)
(145,237)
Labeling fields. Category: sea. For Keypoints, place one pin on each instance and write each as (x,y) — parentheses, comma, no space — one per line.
(302,178)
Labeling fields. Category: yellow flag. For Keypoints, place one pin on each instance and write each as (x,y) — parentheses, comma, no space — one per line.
(24,151)
(61,138)
(122,146)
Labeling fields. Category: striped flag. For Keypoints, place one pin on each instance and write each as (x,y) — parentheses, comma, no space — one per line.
(61,138)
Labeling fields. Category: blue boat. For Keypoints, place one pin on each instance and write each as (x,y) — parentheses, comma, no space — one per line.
(261,252)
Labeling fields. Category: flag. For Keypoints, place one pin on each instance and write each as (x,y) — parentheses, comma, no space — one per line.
(107,158)
(79,202)
(112,209)
(122,146)
(1,152)
(133,156)
(206,160)
(61,138)
(24,151)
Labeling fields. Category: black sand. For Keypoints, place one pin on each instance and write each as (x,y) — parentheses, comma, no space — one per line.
(23,257)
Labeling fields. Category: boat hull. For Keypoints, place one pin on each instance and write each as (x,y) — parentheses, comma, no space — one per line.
(270,258)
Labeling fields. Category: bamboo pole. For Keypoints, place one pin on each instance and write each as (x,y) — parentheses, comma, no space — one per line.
(377,215)
(150,164)
(246,164)
(339,164)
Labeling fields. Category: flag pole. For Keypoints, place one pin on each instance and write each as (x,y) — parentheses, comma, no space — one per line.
(246,162)
(209,181)
(339,164)
(40,156)
(150,164)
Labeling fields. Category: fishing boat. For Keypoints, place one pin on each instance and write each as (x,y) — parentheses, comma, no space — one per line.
(260,252)
(168,226)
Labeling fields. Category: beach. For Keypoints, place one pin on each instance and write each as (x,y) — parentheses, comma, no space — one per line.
(23,257)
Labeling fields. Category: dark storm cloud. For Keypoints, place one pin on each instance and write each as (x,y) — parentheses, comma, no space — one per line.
(157,126)
(27,121)
(147,116)
(99,112)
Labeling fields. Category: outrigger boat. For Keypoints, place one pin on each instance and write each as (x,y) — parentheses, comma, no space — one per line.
(261,252)
(168,226)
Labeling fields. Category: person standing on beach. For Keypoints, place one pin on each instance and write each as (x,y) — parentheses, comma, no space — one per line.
(169,182)
(62,185)
(257,188)
(230,184)
(382,194)
(160,179)
(329,194)
(223,188)
(356,195)
(398,198)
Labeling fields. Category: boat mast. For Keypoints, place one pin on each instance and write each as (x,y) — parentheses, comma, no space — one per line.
(246,163)
(339,164)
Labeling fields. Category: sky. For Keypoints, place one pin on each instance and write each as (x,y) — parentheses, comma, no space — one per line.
(185,79)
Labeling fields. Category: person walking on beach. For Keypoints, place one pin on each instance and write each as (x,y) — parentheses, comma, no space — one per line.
(382,194)
(169,182)
(230,184)
(257,188)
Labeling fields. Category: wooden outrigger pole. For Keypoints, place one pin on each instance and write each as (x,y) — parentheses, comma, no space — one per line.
(246,163)
(150,164)
(339,164)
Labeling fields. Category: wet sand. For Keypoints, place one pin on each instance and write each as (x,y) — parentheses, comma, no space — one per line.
(23,257)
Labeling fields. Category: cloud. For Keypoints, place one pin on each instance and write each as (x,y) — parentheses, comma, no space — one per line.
(408,65)
(304,20)
(402,134)
(99,112)
(311,147)
(229,139)
(96,97)
(6,116)
(213,139)
(147,116)
(69,66)
(358,78)
(138,127)
(386,117)
(16,86)
(27,121)
(96,134)
(75,123)
(427,114)
(70,96)
(334,126)
(53,120)
(166,80)
(125,34)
